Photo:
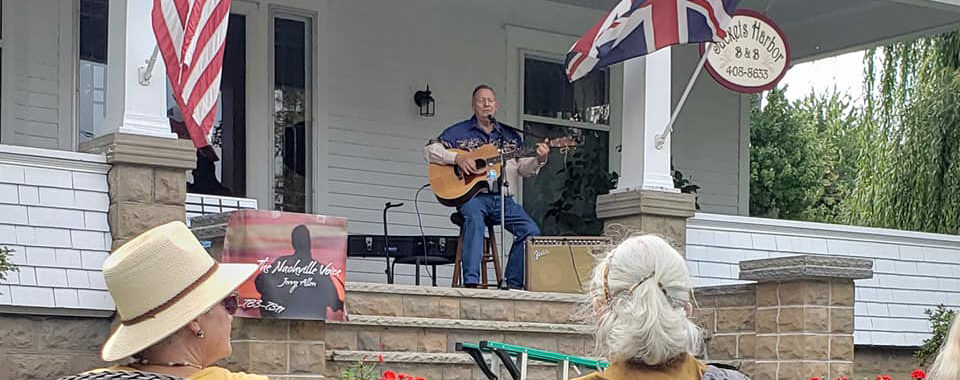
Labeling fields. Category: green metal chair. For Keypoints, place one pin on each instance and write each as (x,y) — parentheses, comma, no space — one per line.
(515,359)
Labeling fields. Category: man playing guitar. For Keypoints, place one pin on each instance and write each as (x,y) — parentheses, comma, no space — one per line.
(470,134)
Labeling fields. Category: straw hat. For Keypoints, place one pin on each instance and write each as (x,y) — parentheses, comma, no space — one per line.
(160,281)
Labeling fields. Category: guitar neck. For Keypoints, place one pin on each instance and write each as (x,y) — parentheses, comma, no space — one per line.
(528,152)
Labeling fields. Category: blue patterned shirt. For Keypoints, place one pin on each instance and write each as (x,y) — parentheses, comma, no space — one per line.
(469,135)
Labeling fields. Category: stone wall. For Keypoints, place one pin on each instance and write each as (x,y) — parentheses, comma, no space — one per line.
(278,348)
(42,348)
(896,362)
(796,322)
(727,313)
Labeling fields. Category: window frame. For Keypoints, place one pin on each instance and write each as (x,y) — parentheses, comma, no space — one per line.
(524,117)
(310,124)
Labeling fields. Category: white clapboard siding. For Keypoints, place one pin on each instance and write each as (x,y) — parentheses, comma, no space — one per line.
(706,142)
(53,213)
(912,271)
(39,61)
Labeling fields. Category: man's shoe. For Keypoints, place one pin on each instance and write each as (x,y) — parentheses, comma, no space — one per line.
(471,286)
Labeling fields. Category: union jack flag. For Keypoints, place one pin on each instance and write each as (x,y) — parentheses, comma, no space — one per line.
(638,27)
(191,35)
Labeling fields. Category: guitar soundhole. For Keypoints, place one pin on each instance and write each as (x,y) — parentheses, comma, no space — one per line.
(480,163)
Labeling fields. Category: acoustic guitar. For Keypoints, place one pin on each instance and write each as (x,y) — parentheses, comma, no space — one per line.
(454,187)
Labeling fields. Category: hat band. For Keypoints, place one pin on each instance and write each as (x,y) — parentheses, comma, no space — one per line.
(153,312)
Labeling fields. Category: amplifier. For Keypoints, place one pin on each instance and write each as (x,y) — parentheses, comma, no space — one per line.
(563,264)
(402,246)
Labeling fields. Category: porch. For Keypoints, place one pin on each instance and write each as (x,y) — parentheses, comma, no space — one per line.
(357,138)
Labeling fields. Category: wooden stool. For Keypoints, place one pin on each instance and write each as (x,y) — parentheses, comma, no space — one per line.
(489,255)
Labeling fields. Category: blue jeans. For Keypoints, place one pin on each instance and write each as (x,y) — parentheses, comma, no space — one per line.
(485,205)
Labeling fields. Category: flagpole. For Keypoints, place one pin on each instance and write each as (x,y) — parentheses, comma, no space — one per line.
(661,137)
(146,72)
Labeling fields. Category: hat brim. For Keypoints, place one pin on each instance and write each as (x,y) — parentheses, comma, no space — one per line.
(131,339)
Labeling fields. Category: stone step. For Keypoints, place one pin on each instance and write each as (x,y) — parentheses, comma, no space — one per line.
(440,366)
(440,335)
(459,303)
(463,324)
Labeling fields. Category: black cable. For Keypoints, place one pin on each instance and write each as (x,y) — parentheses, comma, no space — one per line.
(573,260)
(423,236)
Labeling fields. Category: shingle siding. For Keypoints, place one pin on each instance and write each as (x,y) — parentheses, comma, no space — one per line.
(53,214)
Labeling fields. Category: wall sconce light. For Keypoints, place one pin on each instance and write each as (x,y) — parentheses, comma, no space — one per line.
(425,102)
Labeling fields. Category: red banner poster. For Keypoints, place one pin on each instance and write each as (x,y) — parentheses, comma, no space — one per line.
(302,262)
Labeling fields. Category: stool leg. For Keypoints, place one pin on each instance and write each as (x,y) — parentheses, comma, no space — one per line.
(417,281)
(455,282)
(496,257)
(483,266)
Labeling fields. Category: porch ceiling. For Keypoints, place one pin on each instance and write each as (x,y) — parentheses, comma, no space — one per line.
(822,28)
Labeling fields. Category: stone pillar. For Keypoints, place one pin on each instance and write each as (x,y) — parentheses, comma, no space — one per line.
(646,211)
(804,317)
(147,181)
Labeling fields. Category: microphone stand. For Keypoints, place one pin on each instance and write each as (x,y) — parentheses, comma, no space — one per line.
(503,184)
(386,240)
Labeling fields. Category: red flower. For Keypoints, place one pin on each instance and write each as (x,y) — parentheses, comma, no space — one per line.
(380,358)
(843,378)
(388,375)
(814,378)
(883,377)
(918,374)
(420,378)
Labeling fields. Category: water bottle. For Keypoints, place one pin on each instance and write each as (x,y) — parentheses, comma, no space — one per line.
(491,178)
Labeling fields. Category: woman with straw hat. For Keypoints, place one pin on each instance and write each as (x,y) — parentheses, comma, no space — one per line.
(174,304)
(639,303)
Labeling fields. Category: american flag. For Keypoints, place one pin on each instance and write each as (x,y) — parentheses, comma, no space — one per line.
(637,27)
(191,35)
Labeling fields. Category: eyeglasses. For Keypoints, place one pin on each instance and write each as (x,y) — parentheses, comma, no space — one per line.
(231,303)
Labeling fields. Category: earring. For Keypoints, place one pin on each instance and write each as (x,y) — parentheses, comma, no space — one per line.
(200,334)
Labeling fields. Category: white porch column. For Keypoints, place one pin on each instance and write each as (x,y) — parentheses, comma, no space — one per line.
(645,200)
(147,179)
(132,107)
(646,111)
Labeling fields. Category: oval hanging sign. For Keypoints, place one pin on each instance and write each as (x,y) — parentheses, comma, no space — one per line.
(754,56)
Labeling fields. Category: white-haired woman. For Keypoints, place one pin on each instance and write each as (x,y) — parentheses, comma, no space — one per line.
(947,364)
(640,296)
(174,304)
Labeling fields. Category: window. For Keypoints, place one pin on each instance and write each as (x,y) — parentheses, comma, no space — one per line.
(547,93)
(292,97)
(92,68)
(93,30)
(563,197)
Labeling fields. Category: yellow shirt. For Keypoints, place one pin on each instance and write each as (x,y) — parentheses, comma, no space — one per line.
(209,373)
(688,369)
